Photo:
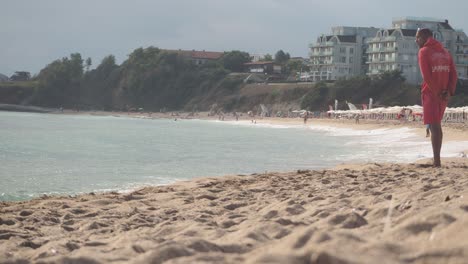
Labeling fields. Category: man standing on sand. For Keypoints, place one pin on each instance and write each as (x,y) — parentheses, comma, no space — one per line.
(439,81)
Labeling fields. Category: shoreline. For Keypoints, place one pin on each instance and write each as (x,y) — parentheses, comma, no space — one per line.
(453,132)
(351,213)
(455,129)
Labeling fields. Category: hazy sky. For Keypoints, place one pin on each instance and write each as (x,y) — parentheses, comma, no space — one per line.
(33,33)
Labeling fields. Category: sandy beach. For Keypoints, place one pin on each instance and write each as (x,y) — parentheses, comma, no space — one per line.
(354,213)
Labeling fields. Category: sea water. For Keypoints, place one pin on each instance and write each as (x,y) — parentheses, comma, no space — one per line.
(71,154)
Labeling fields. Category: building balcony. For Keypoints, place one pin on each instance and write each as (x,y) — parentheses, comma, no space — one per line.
(383,49)
(380,61)
(382,39)
(318,54)
(321,63)
(373,72)
(322,44)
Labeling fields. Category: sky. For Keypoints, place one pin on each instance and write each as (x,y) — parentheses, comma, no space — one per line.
(34,33)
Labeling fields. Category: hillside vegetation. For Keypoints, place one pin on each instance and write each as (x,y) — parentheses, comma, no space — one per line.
(154,79)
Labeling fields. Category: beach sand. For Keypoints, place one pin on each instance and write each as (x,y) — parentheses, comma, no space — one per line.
(354,213)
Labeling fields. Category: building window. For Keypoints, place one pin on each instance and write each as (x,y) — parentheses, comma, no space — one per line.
(351,59)
(342,50)
(351,50)
(343,59)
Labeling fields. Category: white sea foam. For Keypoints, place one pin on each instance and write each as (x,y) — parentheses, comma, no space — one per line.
(403,142)
(400,144)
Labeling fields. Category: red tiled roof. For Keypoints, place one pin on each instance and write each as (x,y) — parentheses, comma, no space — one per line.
(210,55)
(260,63)
(195,54)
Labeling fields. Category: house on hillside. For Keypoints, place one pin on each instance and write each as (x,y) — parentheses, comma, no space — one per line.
(3,78)
(268,67)
(199,57)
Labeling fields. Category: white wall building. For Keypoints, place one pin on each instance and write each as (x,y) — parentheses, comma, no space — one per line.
(339,55)
(351,51)
(395,48)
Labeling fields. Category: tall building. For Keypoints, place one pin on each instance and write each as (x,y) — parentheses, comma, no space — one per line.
(396,48)
(383,49)
(340,54)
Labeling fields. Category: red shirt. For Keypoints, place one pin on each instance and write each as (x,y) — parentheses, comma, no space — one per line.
(437,68)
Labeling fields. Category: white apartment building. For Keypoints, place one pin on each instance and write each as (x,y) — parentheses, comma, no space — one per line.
(339,55)
(351,51)
(461,54)
(395,48)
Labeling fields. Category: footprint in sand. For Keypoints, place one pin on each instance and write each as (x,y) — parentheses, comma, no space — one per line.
(271,214)
(31,244)
(206,196)
(8,222)
(295,210)
(440,220)
(303,239)
(234,206)
(164,253)
(464,208)
(228,224)
(26,213)
(77,211)
(349,221)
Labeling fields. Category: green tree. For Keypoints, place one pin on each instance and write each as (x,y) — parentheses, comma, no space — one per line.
(75,66)
(59,82)
(281,57)
(20,76)
(107,65)
(294,66)
(88,63)
(267,57)
(316,98)
(234,60)
(97,86)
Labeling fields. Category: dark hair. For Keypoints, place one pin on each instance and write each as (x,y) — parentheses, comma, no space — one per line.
(425,32)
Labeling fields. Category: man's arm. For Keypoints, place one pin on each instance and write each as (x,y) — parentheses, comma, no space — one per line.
(425,67)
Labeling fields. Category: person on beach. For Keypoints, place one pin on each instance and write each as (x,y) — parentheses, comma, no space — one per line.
(356,118)
(439,81)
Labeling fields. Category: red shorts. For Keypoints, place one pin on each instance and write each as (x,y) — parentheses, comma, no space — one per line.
(433,108)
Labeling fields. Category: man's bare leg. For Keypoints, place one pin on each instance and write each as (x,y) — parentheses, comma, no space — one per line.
(436,140)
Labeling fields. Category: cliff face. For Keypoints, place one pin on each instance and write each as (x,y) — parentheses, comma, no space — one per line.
(249,97)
